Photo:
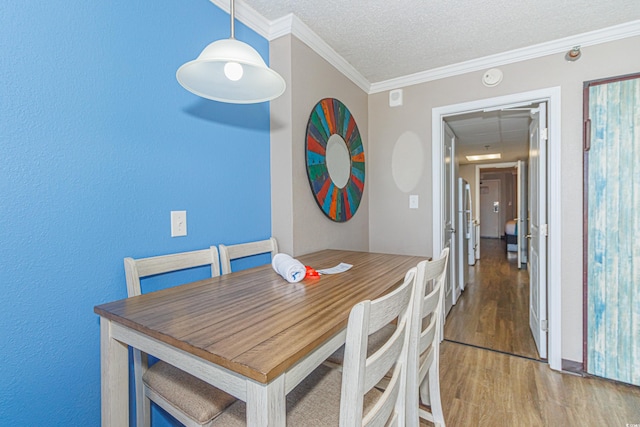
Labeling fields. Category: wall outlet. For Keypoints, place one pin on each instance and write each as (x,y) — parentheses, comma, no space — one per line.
(178,223)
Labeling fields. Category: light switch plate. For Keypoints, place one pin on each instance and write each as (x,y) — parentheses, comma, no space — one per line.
(413,201)
(178,223)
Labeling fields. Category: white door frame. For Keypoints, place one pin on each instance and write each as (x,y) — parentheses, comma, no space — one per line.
(554,201)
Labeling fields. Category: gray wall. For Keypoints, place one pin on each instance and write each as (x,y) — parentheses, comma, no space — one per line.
(394,227)
(297,221)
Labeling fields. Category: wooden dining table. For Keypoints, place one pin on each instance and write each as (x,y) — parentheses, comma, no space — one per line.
(250,333)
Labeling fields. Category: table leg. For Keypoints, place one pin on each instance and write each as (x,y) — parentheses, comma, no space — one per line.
(114,360)
(266,404)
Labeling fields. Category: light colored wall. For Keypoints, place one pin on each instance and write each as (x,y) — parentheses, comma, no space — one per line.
(282,159)
(298,223)
(396,228)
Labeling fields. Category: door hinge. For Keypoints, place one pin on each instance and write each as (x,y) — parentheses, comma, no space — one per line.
(544,324)
(544,134)
(544,229)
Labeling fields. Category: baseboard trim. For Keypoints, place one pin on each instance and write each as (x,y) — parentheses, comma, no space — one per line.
(572,367)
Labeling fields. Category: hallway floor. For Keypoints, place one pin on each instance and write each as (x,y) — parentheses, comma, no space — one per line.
(493,310)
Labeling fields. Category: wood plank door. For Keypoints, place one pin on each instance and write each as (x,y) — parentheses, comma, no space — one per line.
(612,228)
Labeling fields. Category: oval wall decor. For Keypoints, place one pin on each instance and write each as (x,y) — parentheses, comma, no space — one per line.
(335,159)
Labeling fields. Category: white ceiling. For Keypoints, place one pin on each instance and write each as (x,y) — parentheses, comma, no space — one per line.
(388,39)
(384,44)
(505,132)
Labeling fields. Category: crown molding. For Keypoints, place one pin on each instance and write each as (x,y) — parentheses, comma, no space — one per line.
(311,39)
(281,27)
(604,35)
(291,24)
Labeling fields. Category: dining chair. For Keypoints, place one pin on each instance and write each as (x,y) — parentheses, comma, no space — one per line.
(423,367)
(231,252)
(348,397)
(424,349)
(190,400)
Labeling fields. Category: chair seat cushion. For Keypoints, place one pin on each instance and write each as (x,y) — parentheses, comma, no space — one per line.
(314,402)
(199,400)
(375,342)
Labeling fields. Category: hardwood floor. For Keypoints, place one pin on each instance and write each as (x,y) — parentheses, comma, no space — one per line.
(493,311)
(507,385)
(486,388)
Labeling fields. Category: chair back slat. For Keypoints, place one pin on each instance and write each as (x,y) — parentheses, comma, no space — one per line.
(384,414)
(430,318)
(425,337)
(135,269)
(361,373)
(379,363)
(241,250)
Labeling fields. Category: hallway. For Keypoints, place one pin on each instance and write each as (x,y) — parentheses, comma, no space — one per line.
(493,311)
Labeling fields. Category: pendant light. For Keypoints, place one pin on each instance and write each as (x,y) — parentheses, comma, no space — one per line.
(231,71)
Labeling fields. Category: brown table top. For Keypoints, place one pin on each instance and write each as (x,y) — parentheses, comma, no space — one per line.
(254,322)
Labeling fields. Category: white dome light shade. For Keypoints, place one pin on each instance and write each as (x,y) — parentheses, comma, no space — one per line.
(206,77)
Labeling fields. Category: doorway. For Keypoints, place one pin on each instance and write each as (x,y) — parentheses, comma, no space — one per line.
(493,312)
(515,133)
(552,98)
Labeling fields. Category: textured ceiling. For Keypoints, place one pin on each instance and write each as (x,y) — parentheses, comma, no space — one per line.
(387,39)
(505,132)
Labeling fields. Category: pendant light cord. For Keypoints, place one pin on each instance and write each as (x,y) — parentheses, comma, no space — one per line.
(232,14)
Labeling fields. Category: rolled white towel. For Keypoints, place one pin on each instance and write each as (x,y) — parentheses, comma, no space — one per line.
(289,268)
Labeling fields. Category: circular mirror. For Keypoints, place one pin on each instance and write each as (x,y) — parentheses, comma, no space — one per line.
(338,160)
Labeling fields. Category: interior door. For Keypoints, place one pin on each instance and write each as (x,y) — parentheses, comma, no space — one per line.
(462,235)
(471,230)
(490,208)
(538,228)
(448,216)
(522,212)
(612,228)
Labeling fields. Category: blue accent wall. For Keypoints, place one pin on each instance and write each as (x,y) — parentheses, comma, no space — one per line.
(98,143)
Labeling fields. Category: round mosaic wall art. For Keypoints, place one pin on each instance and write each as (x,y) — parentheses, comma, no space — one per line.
(335,159)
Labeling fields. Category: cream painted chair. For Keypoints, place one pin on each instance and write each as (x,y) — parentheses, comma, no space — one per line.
(231,252)
(190,400)
(423,376)
(348,397)
(423,372)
